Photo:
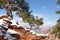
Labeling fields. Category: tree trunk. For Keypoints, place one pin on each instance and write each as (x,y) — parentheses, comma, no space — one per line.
(9,11)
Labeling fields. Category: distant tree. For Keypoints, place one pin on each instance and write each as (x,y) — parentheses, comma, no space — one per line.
(58,2)
(56,30)
(57,26)
(58,20)
(58,12)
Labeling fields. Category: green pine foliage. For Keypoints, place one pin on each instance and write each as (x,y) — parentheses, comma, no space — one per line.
(58,12)
(22,8)
(58,1)
(30,18)
(56,30)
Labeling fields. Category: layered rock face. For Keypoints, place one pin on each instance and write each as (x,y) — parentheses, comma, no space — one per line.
(11,30)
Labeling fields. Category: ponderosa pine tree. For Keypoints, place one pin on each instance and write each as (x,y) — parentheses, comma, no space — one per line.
(22,8)
(29,18)
(14,5)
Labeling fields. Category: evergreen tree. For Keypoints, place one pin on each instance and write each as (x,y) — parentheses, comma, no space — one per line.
(30,18)
(58,2)
(56,30)
(26,15)
(14,5)
(22,8)
(57,26)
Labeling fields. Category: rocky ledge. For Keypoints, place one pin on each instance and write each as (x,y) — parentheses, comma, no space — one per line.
(11,30)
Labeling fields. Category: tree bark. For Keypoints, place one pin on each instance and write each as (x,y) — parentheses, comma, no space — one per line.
(9,10)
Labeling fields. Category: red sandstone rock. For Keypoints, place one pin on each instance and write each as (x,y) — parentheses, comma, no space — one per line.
(22,33)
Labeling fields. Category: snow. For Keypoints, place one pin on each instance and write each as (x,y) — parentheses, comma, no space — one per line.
(21,20)
(6,26)
(27,29)
(2,15)
(6,19)
(23,24)
(12,31)
(13,22)
(37,34)
(9,37)
(18,25)
(33,32)
(1,32)
(9,17)
(47,35)
(1,21)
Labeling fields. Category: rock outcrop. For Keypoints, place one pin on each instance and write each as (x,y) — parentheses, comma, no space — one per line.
(11,30)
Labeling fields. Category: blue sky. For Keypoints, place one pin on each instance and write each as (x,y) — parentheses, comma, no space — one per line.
(42,8)
(45,9)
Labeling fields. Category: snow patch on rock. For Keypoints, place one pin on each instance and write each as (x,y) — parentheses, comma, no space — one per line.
(37,34)
(1,21)
(12,31)
(13,22)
